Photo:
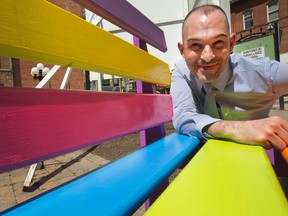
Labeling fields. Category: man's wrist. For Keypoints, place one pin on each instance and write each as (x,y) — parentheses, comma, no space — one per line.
(205,133)
(207,136)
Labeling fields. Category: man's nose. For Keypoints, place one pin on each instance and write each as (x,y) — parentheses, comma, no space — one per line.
(207,54)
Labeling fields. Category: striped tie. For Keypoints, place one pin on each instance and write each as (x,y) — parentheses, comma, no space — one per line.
(211,107)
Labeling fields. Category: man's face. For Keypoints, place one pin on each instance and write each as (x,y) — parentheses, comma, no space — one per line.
(206,45)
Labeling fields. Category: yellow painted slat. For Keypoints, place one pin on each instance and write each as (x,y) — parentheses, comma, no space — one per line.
(224,179)
(40,31)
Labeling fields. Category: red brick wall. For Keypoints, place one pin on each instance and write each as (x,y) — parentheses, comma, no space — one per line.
(69,5)
(21,75)
(284,25)
(259,8)
(6,77)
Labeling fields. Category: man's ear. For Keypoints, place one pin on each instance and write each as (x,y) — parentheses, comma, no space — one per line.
(232,41)
(181,48)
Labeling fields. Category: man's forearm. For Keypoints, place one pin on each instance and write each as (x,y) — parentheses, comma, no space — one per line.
(269,132)
(223,129)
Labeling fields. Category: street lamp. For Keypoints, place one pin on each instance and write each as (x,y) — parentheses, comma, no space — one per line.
(39,71)
(270,27)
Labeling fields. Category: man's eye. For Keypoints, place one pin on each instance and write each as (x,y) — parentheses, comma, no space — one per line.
(195,47)
(218,44)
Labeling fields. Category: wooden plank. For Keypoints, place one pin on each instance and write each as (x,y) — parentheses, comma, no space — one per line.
(118,189)
(37,124)
(62,38)
(284,154)
(224,178)
(127,17)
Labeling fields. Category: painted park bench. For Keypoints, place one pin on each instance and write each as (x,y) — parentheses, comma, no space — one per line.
(70,120)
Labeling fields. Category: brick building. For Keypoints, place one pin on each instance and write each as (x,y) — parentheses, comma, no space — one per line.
(259,16)
(17,72)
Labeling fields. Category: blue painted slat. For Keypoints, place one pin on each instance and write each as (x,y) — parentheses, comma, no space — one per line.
(118,189)
(127,17)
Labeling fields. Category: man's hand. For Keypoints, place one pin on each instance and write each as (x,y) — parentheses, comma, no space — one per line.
(270,132)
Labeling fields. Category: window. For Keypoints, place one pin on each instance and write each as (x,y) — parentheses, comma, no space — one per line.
(106,82)
(5,64)
(248,19)
(272,11)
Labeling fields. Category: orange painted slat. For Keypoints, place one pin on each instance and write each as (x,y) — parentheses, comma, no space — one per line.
(284,154)
(69,120)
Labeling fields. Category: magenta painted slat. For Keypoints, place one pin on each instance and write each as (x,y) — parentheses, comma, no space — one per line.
(127,17)
(37,124)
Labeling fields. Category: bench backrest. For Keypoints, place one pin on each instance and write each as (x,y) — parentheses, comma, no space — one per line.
(37,124)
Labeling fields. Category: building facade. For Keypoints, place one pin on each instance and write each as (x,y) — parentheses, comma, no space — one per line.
(252,19)
(17,72)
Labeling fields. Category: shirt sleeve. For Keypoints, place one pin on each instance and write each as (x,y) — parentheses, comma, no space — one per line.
(279,73)
(187,119)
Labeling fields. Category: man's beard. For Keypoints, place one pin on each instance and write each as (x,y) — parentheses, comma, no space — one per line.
(207,76)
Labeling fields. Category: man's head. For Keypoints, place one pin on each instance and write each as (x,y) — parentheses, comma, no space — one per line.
(206,42)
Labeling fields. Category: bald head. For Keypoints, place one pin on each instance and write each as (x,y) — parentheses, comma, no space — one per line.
(203,11)
(206,42)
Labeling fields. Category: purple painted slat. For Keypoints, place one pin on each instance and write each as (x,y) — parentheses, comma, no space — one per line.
(127,17)
(150,135)
(270,154)
(38,124)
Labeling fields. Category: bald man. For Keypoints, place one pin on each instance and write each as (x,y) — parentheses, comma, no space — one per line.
(221,95)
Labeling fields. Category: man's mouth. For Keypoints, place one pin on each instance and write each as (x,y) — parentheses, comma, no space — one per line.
(208,66)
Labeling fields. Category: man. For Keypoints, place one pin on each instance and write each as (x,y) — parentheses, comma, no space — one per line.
(221,95)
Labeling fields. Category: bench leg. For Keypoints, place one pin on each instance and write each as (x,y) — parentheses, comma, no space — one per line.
(280,165)
(146,137)
(281,102)
(156,194)
(30,174)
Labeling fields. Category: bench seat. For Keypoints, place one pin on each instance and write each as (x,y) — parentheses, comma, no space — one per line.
(224,178)
(124,184)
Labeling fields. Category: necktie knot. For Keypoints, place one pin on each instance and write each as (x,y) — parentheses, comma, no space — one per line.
(208,88)
(211,106)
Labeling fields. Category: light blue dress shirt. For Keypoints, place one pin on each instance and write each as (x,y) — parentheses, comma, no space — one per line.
(246,89)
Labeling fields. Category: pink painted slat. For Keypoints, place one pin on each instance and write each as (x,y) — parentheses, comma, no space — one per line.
(127,17)
(37,124)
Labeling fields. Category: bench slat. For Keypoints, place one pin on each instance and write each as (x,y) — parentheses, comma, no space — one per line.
(70,120)
(224,178)
(120,187)
(62,38)
(136,23)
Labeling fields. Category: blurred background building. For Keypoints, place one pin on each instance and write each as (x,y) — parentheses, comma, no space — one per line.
(257,18)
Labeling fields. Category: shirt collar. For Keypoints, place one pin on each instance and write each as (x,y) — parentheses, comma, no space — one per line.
(221,82)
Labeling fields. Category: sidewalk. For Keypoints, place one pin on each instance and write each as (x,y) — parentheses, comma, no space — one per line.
(56,171)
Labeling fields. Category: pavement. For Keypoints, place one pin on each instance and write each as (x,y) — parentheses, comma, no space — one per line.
(61,169)
(56,171)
